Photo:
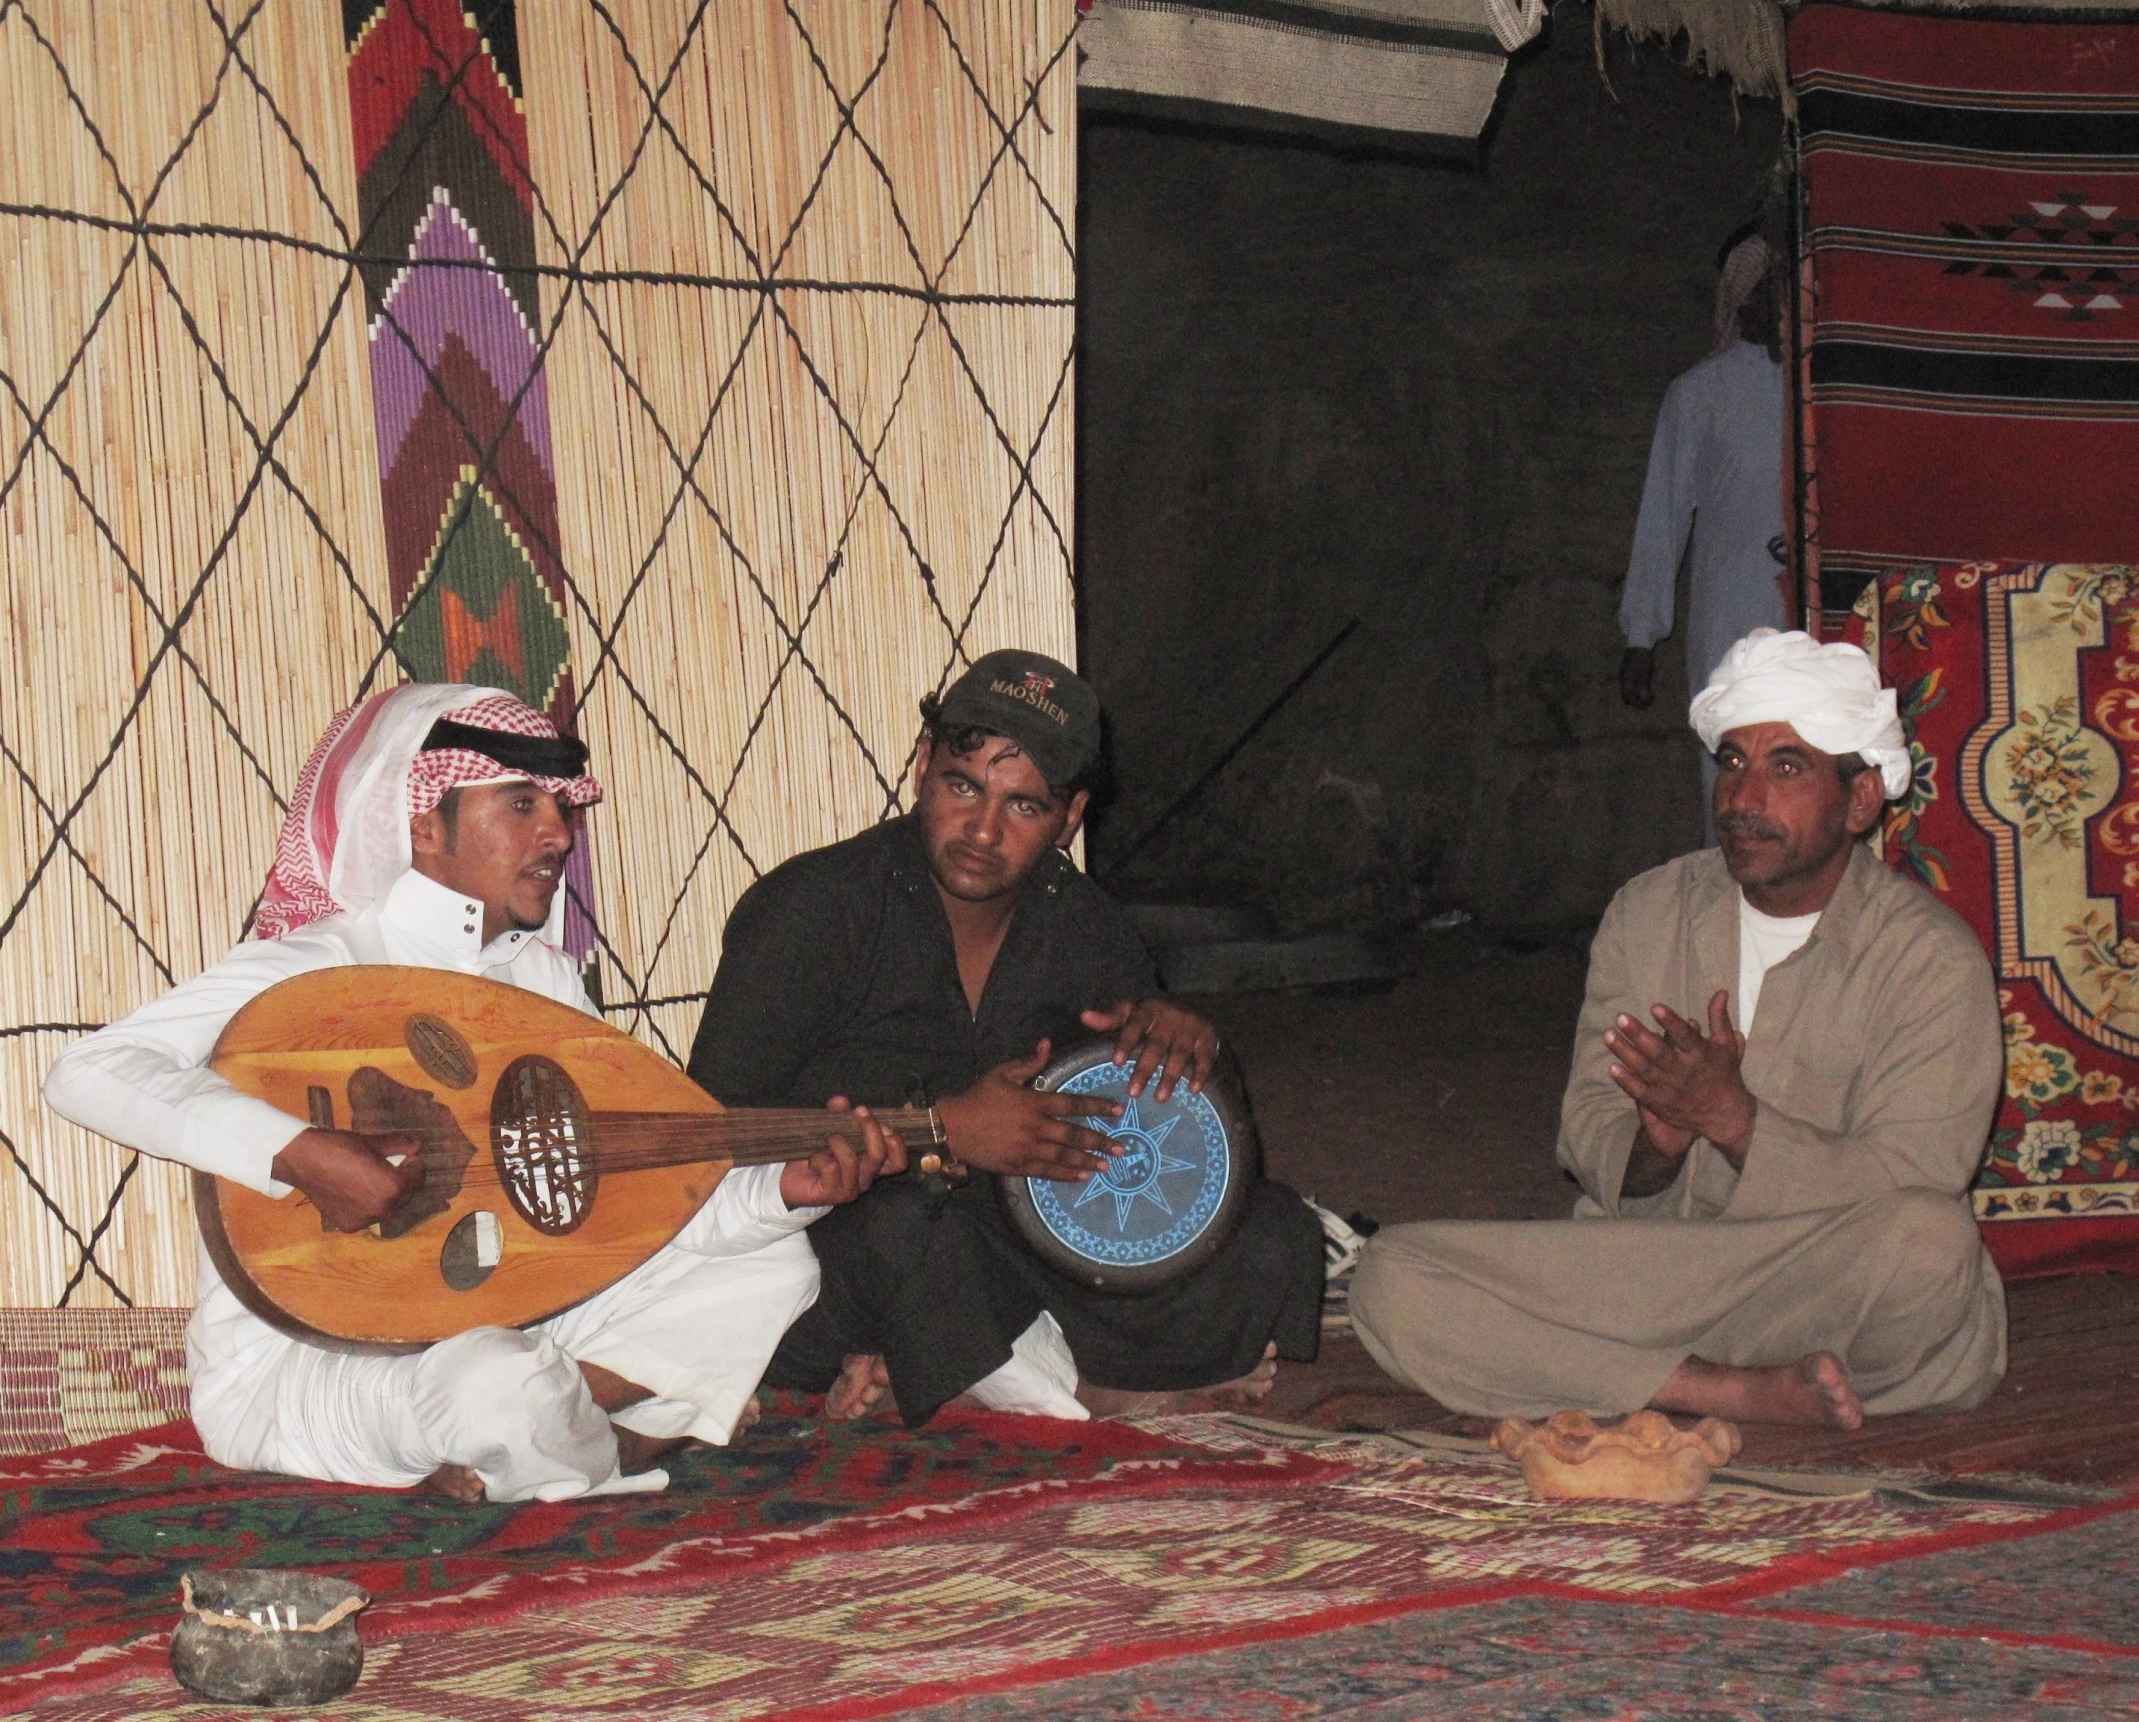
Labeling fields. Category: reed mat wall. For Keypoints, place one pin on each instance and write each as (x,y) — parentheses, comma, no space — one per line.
(804,283)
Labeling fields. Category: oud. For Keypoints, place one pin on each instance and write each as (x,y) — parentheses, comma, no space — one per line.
(558,1154)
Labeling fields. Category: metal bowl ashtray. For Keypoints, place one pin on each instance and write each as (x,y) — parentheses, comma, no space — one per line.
(261,1635)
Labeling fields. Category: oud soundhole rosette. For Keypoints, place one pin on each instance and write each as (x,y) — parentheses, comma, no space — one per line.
(538,1139)
(440,1049)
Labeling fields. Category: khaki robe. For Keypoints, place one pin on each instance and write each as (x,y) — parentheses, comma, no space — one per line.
(1875,1060)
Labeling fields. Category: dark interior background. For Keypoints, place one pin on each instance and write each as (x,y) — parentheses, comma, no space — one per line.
(1317,385)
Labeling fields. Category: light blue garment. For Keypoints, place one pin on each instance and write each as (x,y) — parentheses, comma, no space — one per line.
(1715,470)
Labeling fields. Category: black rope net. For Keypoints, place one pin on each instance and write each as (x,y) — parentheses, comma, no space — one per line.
(698,368)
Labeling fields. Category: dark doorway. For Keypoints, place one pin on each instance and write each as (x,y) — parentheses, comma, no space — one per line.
(1315,387)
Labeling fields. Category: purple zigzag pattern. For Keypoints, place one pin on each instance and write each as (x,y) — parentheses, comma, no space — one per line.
(429,115)
(425,308)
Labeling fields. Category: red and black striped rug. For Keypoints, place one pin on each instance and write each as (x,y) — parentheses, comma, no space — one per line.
(1972,222)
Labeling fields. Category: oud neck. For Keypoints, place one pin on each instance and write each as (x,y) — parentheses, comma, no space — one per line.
(754,1136)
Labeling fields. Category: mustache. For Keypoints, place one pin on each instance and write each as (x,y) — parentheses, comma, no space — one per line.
(1748,825)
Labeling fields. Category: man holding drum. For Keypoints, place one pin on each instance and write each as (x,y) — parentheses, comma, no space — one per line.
(1783,1081)
(938,959)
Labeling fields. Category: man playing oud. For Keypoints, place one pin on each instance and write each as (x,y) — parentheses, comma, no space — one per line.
(430,828)
(938,959)
(1783,1081)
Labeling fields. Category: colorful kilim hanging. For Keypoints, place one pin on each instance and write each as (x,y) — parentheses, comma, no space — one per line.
(466,470)
(1972,225)
(2020,685)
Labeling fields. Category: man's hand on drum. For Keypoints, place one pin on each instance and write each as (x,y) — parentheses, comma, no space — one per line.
(353,1180)
(1003,1124)
(1163,1038)
(842,1169)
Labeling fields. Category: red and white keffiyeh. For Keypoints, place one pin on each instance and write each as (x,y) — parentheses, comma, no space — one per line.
(345,840)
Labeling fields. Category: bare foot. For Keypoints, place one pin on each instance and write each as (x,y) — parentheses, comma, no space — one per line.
(456,1483)
(748,1416)
(1226,1396)
(611,1391)
(1815,1389)
(864,1385)
(636,1452)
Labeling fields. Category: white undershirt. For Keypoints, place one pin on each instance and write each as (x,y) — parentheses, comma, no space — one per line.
(1763,941)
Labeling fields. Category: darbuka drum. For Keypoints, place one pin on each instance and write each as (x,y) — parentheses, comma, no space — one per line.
(1165,1206)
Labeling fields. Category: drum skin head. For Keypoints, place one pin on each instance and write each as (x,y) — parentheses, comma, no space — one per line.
(1166,1206)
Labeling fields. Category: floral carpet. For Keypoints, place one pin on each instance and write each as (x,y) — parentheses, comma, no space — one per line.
(1233,1560)
(2016,682)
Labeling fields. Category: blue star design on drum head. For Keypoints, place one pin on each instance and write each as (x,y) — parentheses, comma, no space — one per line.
(1137,1173)
(1162,1191)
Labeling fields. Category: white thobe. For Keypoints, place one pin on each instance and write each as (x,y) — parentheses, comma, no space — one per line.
(696,1324)
(1715,470)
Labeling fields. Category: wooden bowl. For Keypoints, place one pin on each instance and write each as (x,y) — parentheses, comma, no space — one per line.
(1645,1457)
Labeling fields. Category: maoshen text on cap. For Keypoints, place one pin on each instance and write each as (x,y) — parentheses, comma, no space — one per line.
(1045,707)
(1033,688)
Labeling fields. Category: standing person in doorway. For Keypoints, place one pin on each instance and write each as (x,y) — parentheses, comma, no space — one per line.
(1715,475)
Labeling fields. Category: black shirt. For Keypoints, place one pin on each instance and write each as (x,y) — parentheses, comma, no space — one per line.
(838,976)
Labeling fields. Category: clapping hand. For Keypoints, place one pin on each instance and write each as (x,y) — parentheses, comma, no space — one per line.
(1686,1083)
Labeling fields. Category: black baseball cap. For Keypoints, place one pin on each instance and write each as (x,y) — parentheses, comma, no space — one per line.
(1046,708)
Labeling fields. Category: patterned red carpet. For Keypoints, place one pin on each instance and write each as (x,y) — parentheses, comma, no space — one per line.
(2040,1628)
(1196,1539)
(1969,193)
(95,1538)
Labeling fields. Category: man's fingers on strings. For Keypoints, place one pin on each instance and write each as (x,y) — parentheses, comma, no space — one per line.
(835,1162)
(884,1150)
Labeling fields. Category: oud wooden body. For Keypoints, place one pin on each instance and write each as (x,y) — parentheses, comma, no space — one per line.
(315,1033)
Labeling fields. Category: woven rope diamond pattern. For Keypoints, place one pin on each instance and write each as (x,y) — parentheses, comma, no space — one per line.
(803,300)
(161,471)
(825,507)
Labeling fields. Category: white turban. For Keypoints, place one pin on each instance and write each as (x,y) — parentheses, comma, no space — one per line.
(1742,271)
(1829,694)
